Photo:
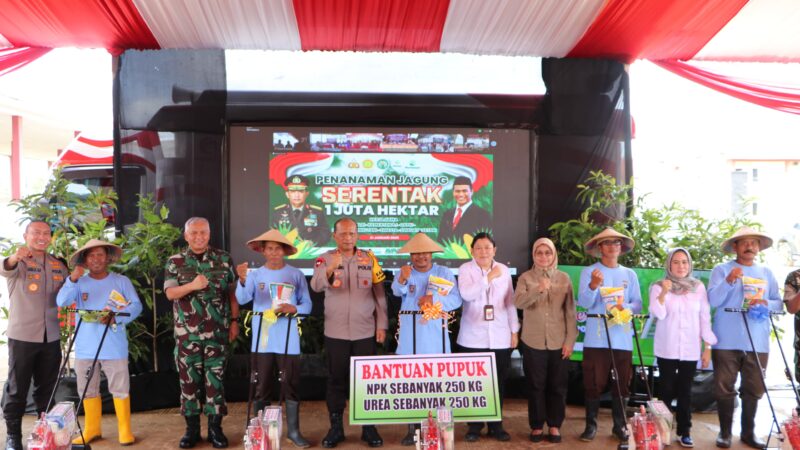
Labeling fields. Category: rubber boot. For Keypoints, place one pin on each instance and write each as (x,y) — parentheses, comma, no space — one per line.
(215,434)
(620,430)
(592,407)
(369,434)
(749,408)
(122,406)
(408,439)
(13,434)
(92,414)
(336,432)
(192,435)
(293,424)
(725,412)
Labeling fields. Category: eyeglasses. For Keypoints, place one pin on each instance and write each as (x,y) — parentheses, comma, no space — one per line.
(612,243)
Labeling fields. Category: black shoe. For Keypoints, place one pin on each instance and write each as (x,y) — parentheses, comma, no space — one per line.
(497,432)
(473,432)
(536,437)
(723,441)
(215,435)
(409,438)
(686,441)
(554,438)
(335,433)
(369,434)
(620,433)
(192,435)
(752,441)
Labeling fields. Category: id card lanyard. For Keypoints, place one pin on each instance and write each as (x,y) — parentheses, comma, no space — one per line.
(488,309)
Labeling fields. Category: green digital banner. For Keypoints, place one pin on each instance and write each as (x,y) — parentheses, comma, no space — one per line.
(645,328)
(405,388)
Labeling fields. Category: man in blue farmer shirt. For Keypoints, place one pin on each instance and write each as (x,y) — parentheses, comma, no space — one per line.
(730,283)
(419,335)
(101,290)
(606,287)
(281,288)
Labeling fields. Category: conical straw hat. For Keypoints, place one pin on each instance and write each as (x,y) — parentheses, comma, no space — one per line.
(114,252)
(271,236)
(764,241)
(592,245)
(421,243)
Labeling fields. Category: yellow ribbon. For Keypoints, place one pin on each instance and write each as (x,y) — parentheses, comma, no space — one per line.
(620,317)
(377,274)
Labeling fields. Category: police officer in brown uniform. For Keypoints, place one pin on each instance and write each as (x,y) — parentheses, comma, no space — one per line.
(355,318)
(34,278)
(309,220)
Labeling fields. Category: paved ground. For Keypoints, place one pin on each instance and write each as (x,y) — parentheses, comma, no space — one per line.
(162,429)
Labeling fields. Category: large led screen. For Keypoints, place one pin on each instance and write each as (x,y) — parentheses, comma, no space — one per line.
(447,183)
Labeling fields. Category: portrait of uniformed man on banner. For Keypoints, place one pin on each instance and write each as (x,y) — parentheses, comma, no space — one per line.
(309,220)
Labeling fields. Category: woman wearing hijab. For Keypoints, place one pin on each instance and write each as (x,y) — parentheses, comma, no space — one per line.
(489,321)
(680,304)
(549,329)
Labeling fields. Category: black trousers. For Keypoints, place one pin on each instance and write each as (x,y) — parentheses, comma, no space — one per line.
(338,353)
(597,372)
(502,358)
(288,374)
(546,374)
(27,360)
(675,381)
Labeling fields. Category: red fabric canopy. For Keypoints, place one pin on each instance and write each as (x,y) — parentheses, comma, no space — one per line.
(782,98)
(674,29)
(371,25)
(112,24)
(12,59)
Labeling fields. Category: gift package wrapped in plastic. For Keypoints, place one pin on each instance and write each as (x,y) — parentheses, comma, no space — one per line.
(429,437)
(54,430)
(444,417)
(663,418)
(646,435)
(264,430)
(791,432)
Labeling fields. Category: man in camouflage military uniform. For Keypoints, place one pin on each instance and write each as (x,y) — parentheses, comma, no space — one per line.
(791,296)
(200,282)
(309,220)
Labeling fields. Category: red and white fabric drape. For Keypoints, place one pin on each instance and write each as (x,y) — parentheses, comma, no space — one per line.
(750,30)
(781,98)
(12,59)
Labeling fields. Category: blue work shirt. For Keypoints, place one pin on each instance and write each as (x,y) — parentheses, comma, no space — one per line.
(728,326)
(621,335)
(257,287)
(92,294)
(429,335)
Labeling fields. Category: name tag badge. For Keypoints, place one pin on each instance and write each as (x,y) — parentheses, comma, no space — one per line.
(261,286)
(488,312)
(338,274)
(412,288)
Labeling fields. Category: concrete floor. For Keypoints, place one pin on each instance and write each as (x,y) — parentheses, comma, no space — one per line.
(162,429)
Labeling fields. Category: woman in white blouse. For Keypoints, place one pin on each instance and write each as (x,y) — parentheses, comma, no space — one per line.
(489,321)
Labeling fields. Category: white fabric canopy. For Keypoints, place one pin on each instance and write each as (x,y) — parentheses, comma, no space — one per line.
(517,27)
(243,24)
(764,30)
